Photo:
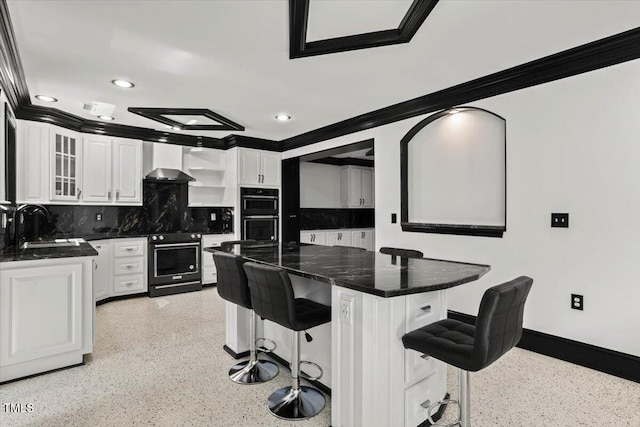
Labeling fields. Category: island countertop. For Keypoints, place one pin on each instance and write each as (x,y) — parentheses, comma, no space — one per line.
(364,271)
(18,254)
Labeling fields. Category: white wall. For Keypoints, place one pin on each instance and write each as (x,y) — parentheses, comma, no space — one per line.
(573,145)
(319,186)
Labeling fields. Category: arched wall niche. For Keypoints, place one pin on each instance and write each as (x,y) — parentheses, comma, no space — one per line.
(453,174)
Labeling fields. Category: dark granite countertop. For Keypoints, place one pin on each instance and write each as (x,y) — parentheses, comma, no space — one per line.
(364,271)
(17,254)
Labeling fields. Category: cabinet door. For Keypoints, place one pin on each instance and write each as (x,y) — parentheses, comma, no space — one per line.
(96,169)
(127,171)
(355,187)
(332,238)
(306,237)
(65,165)
(366,185)
(248,167)
(33,179)
(344,188)
(102,270)
(270,168)
(358,239)
(369,240)
(41,312)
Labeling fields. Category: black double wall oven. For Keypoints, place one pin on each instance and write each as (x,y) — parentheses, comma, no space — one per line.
(259,209)
(174,263)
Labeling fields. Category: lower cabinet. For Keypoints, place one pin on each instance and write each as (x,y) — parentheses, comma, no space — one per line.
(209,274)
(358,238)
(120,267)
(46,315)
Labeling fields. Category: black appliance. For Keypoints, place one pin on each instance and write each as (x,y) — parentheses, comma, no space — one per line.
(259,208)
(174,263)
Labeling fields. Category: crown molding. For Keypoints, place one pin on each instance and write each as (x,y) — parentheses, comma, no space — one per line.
(12,77)
(592,56)
(299,18)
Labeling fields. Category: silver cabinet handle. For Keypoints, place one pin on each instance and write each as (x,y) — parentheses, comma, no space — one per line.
(129,265)
(426,357)
(95,265)
(109,194)
(426,308)
(426,404)
(79,193)
(129,283)
(129,249)
(117,194)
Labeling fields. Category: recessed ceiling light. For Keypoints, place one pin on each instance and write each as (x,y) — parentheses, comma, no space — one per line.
(46,98)
(192,121)
(176,128)
(283,117)
(107,118)
(454,111)
(123,83)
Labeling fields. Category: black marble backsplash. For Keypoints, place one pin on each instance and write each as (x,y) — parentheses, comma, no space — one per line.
(326,219)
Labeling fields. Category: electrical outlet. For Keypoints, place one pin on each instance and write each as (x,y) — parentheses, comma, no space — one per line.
(98,217)
(394,218)
(345,311)
(560,220)
(212,216)
(577,302)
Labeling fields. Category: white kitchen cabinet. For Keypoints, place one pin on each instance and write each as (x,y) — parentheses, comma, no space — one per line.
(96,169)
(46,315)
(316,237)
(66,165)
(258,168)
(102,269)
(209,274)
(357,187)
(127,171)
(112,170)
(338,237)
(121,267)
(33,164)
(363,238)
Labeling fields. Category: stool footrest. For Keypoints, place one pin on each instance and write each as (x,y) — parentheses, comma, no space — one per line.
(307,376)
(264,349)
(444,402)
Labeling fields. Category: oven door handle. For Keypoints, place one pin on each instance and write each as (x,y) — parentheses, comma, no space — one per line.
(173,245)
(261,197)
(260,217)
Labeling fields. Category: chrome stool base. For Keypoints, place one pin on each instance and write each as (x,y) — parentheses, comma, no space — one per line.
(457,422)
(291,404)
(253,372)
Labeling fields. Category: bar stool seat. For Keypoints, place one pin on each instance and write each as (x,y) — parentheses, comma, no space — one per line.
(472,348)
(273,299)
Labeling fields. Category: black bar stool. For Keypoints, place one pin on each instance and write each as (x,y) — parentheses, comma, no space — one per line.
(472,348)
(406,253)
(233,287)
(273,299)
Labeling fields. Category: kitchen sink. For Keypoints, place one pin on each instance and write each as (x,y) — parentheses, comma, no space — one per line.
(58,243)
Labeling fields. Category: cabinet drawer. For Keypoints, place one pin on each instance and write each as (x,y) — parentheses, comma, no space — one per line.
(417,400)
(207,259)
(418,366)
(129,284)
(127,248)
(128,265)
(422,309)
(209,275)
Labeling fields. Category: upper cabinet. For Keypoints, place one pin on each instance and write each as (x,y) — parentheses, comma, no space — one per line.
(258,168)
(357,187)
(57,165)
(66,161)
(214,173)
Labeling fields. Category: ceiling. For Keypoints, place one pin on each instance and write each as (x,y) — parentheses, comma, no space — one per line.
(232,57)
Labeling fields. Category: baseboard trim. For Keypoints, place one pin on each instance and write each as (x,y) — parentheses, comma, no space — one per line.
(42,373)
(601,359)
(234,354)
(121,297)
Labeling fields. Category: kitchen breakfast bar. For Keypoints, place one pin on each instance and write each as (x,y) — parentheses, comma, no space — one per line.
(375,299)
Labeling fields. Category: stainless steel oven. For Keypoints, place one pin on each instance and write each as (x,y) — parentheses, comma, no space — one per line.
(259,213)
(174,263)
(259,201)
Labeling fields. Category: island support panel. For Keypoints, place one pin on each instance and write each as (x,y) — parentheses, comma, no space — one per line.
(376,382)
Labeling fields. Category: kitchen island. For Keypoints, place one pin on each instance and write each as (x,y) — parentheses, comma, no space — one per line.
(46,308)
(375,299)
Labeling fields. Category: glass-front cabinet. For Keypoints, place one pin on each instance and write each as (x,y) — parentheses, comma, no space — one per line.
(66,182)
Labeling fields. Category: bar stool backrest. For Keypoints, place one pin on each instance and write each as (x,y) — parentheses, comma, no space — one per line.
(272,295)
(407,253)
(229,244)
(499,322)
(232,279)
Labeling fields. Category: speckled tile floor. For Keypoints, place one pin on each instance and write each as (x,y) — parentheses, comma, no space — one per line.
(160,362)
